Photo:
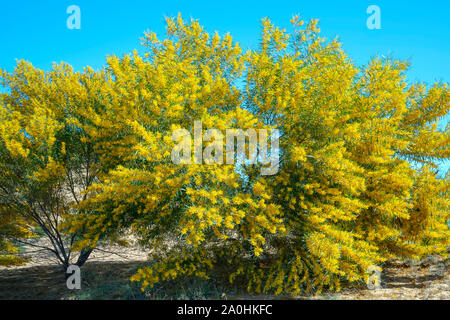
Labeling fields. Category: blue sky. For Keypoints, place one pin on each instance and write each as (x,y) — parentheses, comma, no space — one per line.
(36,30)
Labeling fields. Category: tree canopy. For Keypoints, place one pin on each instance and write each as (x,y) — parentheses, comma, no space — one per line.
(357,181)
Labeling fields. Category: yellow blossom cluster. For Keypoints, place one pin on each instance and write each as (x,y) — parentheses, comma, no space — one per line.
(358,149)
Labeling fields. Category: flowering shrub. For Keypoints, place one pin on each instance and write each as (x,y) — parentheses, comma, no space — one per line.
(358,153)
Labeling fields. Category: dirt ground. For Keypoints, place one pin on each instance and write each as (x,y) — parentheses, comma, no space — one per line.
(105,276)
(428,279)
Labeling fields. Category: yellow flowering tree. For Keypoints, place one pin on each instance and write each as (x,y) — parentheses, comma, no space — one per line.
(352,139)
(45,162)
(347,196)
(358,151)
(191,76)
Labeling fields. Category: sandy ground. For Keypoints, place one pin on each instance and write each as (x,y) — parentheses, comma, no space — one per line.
(428,279)
(39,258)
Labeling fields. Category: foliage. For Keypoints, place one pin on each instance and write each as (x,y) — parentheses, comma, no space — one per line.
(359,150)
(45,165)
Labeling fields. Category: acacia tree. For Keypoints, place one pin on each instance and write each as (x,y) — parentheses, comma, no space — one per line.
(45,162)
(348,195)
(345,198)
(190,76)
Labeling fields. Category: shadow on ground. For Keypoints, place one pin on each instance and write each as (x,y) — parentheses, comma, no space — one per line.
(110,280)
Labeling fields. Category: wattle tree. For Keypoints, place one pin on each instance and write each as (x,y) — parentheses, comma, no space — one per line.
(46,163)
(357,181)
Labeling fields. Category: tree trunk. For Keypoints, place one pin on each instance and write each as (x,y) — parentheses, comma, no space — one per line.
(84,255)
